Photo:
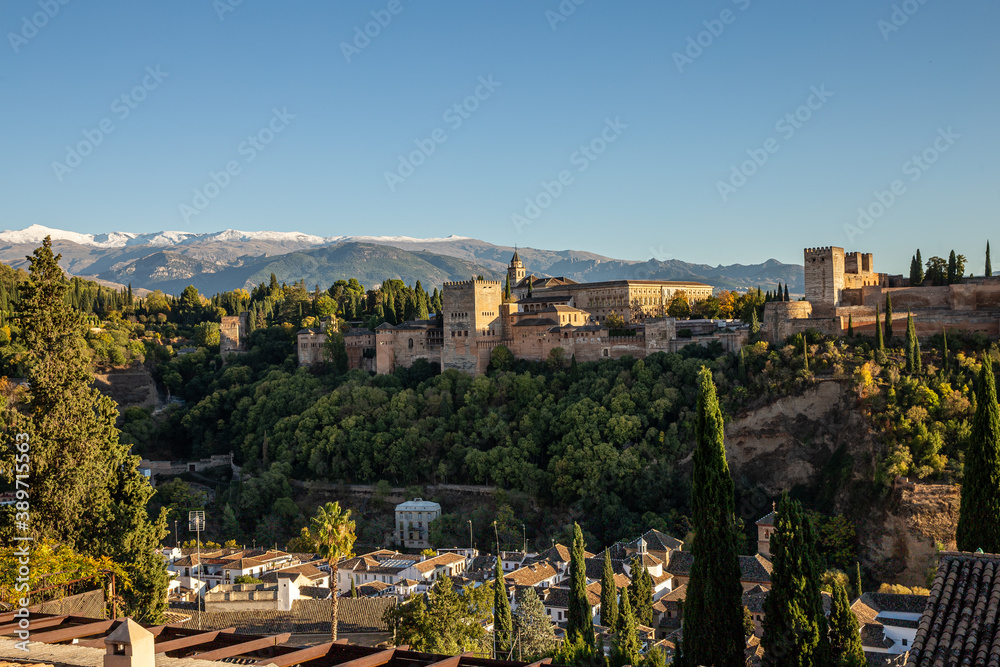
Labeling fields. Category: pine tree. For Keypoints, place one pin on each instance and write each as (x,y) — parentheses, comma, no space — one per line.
(534,630)
(858,590)
(625,643)
(87,491)
(795,630)
(641,592)
(580,623)
(879,342)
(845,638)
(989,267)
(979,514)
(609,594)
(503,624)
(850,326)
(713,611)
(888,318)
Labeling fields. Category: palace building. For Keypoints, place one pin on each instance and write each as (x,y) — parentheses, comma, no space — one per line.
(541,316)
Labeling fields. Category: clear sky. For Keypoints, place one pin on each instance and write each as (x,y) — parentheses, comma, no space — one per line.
(310,115)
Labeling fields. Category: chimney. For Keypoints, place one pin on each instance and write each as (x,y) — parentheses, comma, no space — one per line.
(130,645)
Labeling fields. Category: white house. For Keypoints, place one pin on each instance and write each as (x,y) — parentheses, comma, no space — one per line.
(413,520)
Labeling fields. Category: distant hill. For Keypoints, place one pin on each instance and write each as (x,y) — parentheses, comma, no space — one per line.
(226,260)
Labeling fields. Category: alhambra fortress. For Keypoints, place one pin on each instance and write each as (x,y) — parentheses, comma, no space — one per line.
(547,314)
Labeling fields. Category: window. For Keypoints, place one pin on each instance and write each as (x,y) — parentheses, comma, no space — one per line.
(411,344)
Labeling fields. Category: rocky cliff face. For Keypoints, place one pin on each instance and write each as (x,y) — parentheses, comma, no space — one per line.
(820,440)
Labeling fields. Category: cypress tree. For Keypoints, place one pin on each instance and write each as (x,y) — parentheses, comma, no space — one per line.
(850,326)
(989,267)
(858,591)
(506,289)
(713,611)
(888,317)
(579,623)
(944,352)
(786,292)
(609,594)
(952,275)
(910,347)
(795,630)
(920,269)
(805,353)
(979,514)
(641,592)
(879,342)
(354,589)
(914,271)
(754,323)
(503,624)
(845,638)
(918,363)
(625,643)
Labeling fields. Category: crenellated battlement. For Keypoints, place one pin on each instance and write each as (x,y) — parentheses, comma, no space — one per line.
(823,250)
(467,283)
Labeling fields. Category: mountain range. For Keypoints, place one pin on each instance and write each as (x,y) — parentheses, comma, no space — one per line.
(231,259)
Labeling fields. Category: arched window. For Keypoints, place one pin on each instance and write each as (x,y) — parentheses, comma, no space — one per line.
(411,343)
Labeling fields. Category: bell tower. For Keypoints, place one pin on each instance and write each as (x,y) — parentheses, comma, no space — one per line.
(515,271)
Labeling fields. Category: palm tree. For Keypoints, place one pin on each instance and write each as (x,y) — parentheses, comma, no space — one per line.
(333,529)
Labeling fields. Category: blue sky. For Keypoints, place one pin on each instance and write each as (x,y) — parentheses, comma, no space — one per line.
(331,121)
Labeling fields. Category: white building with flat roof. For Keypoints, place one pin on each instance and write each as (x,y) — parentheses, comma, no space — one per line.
(413,519)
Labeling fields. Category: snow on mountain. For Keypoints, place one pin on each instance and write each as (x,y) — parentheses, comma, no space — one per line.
(35,234)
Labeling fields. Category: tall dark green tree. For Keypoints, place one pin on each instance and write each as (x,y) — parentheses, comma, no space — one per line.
(845,638)
(713,611)
(944,350)
(754,323)
(609,594)
(952,275)
(805,352)
(625,642)
(506,288)
(850,326)
(857,581)
(917,270)
(911,338)
(786,292)
(879,341)
(503,624)
(989,267)
(795,629)
(86,489)
(888,317)
(579,622)
(640,591)
(979,514)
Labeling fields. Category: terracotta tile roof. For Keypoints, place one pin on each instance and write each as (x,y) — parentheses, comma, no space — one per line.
(658,541)
(873,636)
(680,563)
(960,625)
(908,604)
(372,588)
(559,597)
(432,563)
(678,594)
(243,564)
(315,592)
(767,519)
(532,575)
(756,569)
(306,570)
(595,566)
(355,615)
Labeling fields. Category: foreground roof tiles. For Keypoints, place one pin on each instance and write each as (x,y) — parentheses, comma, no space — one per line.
(961,623)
